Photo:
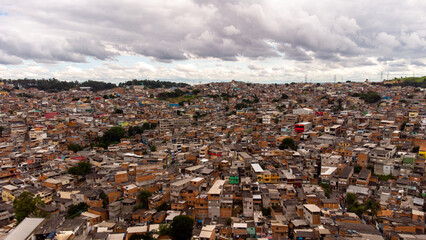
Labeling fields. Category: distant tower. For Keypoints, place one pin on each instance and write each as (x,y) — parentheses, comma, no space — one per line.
(334,78)
(306,78)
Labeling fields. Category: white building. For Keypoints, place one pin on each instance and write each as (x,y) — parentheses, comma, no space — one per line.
(303,111)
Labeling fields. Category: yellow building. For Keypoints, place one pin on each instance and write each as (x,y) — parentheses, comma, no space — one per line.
(9,193)
(270,177)
(45,196)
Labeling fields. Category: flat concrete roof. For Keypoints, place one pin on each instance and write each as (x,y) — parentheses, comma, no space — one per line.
(193,168)
(138,229)
(181,182)
(312,207)
(217,187)
(197,179)
(25,228)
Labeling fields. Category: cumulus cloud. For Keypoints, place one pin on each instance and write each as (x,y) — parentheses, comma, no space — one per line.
(313,34)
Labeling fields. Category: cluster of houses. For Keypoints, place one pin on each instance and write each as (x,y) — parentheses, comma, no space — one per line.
(217,155)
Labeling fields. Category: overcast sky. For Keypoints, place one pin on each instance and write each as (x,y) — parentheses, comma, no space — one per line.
(212,40)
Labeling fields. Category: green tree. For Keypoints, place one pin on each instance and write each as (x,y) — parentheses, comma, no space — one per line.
(74,147)
(372,207)
(266,211)
(370,97)
(75,210)
(143,198)
(1,130)
(26,205)
(240,106)
(113,135)
(82,169)
(229,221)
(181,227)
(327,189)
(118,111)
(416,149)
(287,143)
(153,148)
(284,96)
(163,207)
(385,177)
(357,169)
(143,236)
(164,229)
(350,199)
(403,126)
(104,198)
(352,204)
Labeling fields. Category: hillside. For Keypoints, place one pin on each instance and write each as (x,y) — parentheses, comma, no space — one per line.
(408,81)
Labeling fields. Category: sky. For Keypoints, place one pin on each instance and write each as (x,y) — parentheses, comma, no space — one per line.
(270,41)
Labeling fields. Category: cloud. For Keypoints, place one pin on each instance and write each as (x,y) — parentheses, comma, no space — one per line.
(386,40)
(230,30)
(186,67)
(312,34)
(295,53)
(254,67)
(7,59)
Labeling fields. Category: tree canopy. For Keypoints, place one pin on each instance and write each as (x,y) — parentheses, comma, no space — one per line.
(181,227)
(54,85)
(153,83)
(81,169)
(142,236)
(287,143)
(327,189)
(118,111)
(368,97)
(357,169)
(133,130)
(26,205)
(75,210)
(74,147)
(176,93)
(113,135)
(370,206)
(143,197)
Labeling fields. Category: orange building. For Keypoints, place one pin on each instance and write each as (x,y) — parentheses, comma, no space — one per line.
(121,177)
(201,206)
(99,211)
